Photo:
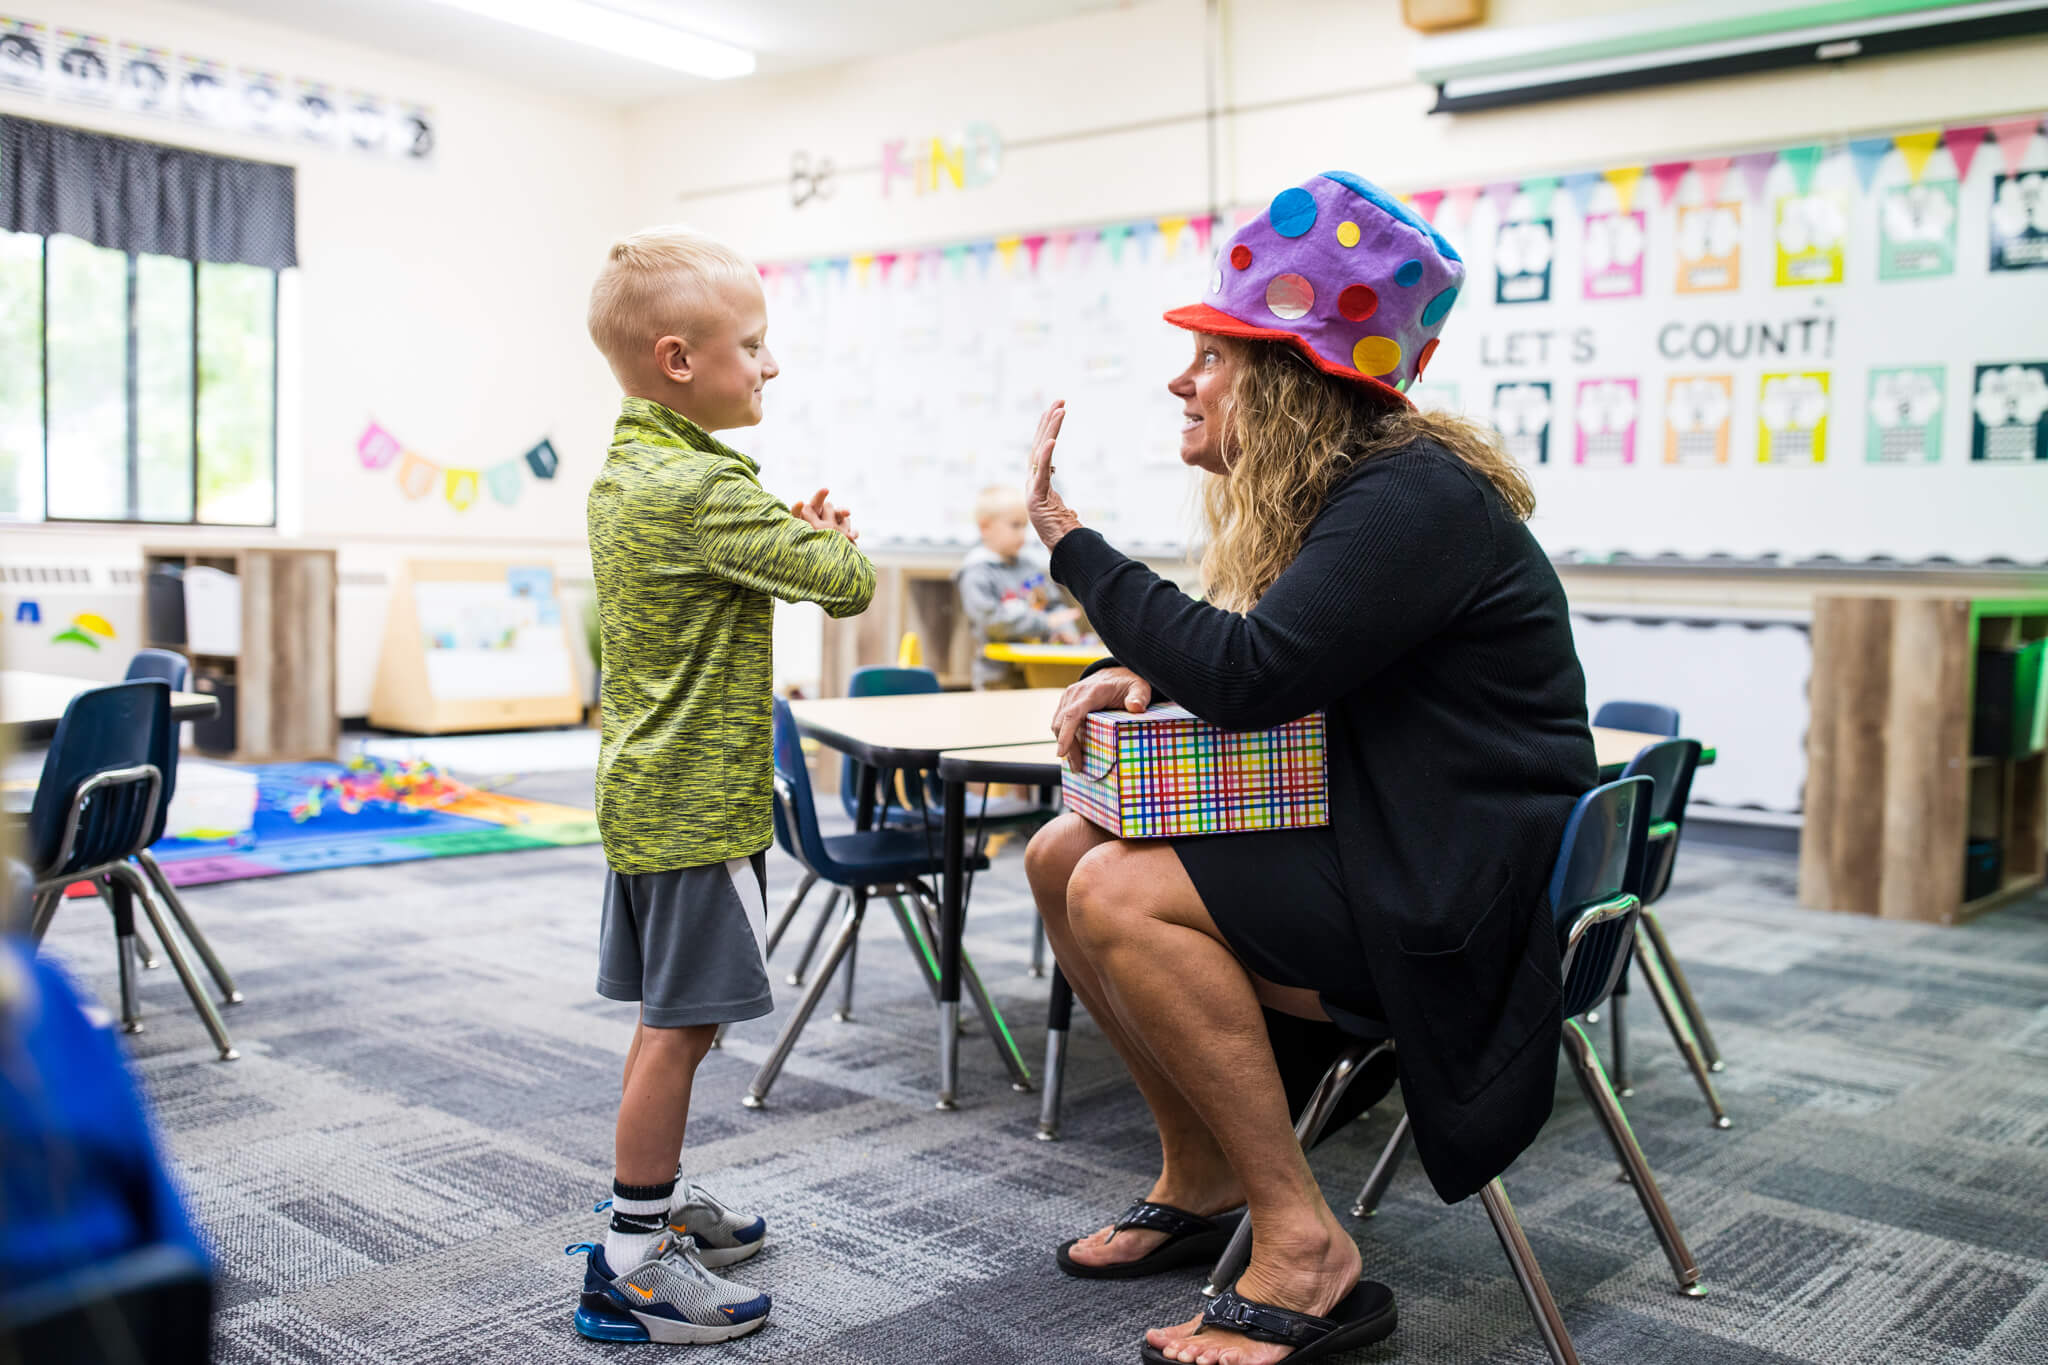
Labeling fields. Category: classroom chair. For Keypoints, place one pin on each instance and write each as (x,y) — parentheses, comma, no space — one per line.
(909,651)
(1593,911)
(892,863)
(1646,717)
(171,667)
(1669,764)
(98,805)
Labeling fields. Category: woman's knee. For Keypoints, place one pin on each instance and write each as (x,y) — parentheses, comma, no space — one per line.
(1103,895)
(1050,857)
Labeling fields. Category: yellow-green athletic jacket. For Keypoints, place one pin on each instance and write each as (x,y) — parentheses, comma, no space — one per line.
(688,548)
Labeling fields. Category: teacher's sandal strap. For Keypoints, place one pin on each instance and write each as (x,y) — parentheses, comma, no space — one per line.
(1363,1316)
(1191,1239)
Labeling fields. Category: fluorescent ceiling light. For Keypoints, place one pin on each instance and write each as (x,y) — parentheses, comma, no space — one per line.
(617,32)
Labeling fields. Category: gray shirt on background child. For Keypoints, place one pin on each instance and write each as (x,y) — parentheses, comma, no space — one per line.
(1005,599)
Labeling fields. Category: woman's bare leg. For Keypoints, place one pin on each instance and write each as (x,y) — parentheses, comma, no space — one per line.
(1175,986)
(1193,1173)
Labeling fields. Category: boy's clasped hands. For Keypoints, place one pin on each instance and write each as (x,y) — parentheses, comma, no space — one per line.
(824,516)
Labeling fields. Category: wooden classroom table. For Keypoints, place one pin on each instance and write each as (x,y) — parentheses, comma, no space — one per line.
(1047,665)
(31,704)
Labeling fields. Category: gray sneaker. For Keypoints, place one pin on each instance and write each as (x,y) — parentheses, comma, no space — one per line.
(723,1237)
(670,1298)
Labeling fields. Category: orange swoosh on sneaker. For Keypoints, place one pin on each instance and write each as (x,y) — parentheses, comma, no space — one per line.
(646,1294)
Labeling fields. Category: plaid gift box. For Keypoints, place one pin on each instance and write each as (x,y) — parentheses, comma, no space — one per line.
(1163,773)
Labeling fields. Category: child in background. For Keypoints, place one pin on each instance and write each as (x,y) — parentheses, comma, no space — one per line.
(1005,589)
(687,550)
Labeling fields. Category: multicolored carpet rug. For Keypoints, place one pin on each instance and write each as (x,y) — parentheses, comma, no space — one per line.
(378,832)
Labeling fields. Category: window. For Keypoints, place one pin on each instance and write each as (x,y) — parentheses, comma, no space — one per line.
(135,387)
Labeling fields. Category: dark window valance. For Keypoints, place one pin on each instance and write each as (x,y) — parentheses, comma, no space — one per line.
(145,197)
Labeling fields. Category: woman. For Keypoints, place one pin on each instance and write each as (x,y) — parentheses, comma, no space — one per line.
(1371,562)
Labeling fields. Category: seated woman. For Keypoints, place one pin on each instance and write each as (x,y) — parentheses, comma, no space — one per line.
(1369,561)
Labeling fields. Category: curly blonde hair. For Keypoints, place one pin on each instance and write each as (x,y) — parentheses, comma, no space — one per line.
(1291,433)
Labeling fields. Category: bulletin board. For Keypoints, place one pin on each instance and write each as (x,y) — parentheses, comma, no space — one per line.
(1808,355)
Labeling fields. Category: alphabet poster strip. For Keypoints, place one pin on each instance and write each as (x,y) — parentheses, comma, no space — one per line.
(1792,418)
(1905,415)
(2009,413)
(1699,410)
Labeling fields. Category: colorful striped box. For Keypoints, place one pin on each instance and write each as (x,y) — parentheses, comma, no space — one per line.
(1163,773)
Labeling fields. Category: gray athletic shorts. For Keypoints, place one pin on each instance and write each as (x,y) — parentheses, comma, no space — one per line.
(687,944)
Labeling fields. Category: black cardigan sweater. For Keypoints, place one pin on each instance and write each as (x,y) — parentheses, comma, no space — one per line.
(1424,620)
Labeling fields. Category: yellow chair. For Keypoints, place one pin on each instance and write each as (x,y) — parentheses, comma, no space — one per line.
(909,651)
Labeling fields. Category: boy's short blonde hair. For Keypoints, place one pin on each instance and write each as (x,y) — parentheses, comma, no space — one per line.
(997,499)
(657,283)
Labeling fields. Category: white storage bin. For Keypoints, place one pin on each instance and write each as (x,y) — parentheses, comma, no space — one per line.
(213,611)
(213,801)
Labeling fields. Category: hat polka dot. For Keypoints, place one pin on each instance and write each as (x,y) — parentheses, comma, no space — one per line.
(1293,212)
(1408,274)
(1357,302)
(1216,281)
(1376,355)
(1422,361)
(1347,234)
(1439,306)
(1290,296)
(1241,256)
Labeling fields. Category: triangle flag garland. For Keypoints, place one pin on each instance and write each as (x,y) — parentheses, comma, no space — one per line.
(1426,202)
(1756,171)
(1034,247)
(1113,238)
(2013,135)
(1962,143)
(1169,233)
(1868,153)
(1668,174)
(1501,194)
(1917,148)
(1203,224)
(1582,184)
(1006,247)
(1460,200)
(1541,189)
(1802,162)
(884,260)
(1624,179)
(1712,171)
(504,481)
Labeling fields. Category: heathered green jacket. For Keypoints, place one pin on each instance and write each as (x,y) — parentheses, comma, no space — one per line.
(688,548)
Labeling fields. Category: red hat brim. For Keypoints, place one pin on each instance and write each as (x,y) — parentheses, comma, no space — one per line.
(1200,317)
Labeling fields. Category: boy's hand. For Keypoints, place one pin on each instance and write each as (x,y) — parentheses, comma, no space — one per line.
(1103,691)
(822,515)
(1049,513)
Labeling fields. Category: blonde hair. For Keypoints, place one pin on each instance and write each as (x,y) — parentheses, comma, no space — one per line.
(997,499)
(657,283)
(1290,433)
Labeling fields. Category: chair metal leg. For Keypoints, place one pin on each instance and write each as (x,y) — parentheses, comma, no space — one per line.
(145,954)
(1693,1014)
(1529,1275)
(849,929)
(1059,1016)
(1681,1032)
(168,895)
(1618,1031)
(1037,945)
(998,1027)
(1375,1189)
(844,1014)
(1586,1066)
(121,904)
(924,953)
(788,915)
(796,975)
(42,912)
(201,1001)
(1315,1116)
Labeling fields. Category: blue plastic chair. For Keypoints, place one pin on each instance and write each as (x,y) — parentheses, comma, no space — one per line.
(1593,909)
(1670,765)
(99,803)
(1645,717)
(166,665)
(892,862)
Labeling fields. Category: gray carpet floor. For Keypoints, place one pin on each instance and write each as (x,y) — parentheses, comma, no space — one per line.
(421,1120)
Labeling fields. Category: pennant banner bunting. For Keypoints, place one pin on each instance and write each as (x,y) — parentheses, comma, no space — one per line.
(543,461)
(1667,175)
(1113,239)
(377,447)
(1962,143)
(1460,200)
(1582,184)
(1541,190)
(1203,225)
(1034,247)
(1917,148)
(1624,179)
(2014,134)
(1756,171)
(1802,162)
(1712,170)
(884,260)
(1170,229)
(1006,248)
(1501,194)
(417,475)
(460,487)
(1869,153)
(1426,202)
(505,480)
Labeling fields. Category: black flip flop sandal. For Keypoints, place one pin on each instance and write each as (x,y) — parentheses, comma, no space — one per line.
(1190,1240)
(1363,1316)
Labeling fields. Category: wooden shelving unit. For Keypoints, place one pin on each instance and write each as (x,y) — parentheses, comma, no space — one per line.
(283,674)
(1893,792)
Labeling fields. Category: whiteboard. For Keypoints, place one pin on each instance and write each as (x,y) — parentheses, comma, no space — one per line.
(1887,401)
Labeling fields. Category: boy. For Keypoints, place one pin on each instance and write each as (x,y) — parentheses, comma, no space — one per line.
(687,550)
(1005,590)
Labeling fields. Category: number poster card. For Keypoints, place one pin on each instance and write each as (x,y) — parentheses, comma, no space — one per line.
(1521,413)
(1521,261)
(1607,421)
(1905,415)
(2019,221)
(1614,255)
(1698,414)
(1710,249)
(24,54)
(1792,419)
(145,86)
(1811,231)
(1916,227)
(2009,413)
(85,68)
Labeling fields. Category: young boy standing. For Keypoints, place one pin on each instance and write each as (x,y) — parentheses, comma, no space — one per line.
(687,550)
(1006,592)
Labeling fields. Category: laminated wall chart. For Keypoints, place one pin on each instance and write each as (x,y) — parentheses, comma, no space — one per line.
(1807,353)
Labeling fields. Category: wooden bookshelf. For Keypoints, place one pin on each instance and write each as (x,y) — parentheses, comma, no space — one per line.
(1894,794)
(282,676)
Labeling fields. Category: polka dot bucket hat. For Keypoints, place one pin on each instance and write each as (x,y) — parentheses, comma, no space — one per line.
(1351,276)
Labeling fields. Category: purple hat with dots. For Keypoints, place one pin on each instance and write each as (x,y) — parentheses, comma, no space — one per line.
(1354,278)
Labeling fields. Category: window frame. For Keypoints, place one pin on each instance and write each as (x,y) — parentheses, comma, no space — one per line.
(132,462)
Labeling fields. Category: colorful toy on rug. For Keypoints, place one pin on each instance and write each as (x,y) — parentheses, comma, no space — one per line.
(400,784)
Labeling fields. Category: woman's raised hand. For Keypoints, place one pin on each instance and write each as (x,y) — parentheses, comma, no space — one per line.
(1050,515)
(1112,687)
